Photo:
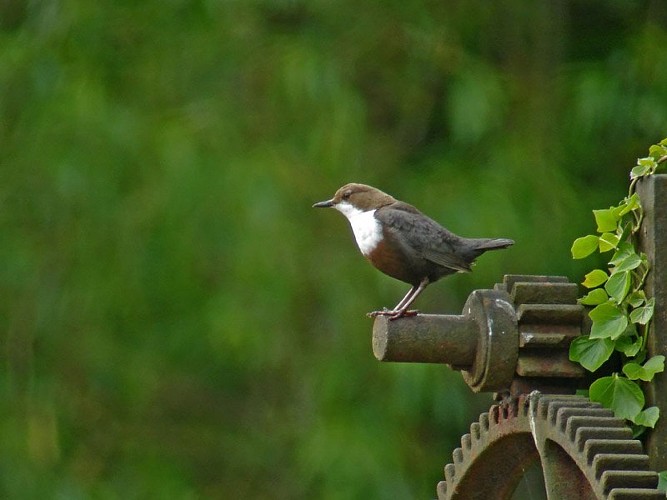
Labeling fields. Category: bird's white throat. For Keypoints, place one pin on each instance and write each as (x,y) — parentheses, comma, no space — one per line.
(367,229)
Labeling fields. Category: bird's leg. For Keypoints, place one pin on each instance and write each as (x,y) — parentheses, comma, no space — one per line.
(389,312)
(401,308)
(406,298)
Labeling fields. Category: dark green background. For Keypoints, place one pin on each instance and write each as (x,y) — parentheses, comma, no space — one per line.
(177,322)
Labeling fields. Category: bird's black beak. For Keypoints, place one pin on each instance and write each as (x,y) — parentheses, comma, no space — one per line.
(324,204)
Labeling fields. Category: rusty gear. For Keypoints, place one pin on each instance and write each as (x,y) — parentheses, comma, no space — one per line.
(585,451)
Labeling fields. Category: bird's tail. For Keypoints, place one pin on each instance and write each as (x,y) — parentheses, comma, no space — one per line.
(492,243)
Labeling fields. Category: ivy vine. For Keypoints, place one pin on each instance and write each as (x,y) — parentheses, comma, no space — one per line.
(621,312)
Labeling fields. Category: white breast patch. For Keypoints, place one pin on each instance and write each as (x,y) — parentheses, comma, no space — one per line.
(367,229)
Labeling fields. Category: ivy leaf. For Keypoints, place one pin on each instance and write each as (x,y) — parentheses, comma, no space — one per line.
(643,315)
(618,286)
(636,299)
(632,261)
(662,481)
(628,346)
(630,204)
(594,297)
(648,417)
(655,364)
(634,371)
(608,321)
(623,396)
(595,278)
(638,171)
(606,220)
(591,353)
(608,241)
(584,246)
(624,250)
(644,167)
(659,150)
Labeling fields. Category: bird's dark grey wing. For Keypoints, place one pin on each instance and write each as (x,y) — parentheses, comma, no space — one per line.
(425,237)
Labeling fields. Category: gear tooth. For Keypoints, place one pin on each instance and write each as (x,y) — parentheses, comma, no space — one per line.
(573,423)
(564,413)
(545,292)
(450,473)
(475,431)
(441,490)
(565,401)
(594,446)
(458,456)
(636,494)
(494,414)
(628,479)
(524,406)
(619,462)
(543,406)
(484,422)
(505,412)
(466,442)
(584,433)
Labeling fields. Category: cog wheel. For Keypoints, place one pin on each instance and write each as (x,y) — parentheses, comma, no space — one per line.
(584,451)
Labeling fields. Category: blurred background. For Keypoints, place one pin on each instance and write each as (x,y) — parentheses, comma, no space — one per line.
(177,322)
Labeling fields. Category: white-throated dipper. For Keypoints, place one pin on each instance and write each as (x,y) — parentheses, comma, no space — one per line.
(403,243)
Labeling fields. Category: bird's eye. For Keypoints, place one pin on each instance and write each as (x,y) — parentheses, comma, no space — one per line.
(347,194)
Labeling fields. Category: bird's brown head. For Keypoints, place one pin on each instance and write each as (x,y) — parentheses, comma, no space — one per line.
(358,197)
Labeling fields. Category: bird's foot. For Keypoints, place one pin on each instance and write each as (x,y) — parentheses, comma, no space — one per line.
(392,314)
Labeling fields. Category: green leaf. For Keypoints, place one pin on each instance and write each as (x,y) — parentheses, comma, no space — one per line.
(628,346)
(634,371)
(657,151)
(632,261)
(618,286)
(608,321)
(644,167)
(608,241)
(630,204)
(591,353)
(595,278)
(594,297)
(606,220)
(623,396)
(662,481)
(655,364)
(637,430)
(643,315)
(584,246)
(648,417)
(636,299)
(624,250)
(638,171)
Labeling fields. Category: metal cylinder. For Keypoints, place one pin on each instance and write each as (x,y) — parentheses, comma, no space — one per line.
(426,338)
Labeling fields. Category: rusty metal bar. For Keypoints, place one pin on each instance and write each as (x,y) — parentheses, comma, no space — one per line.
(426,338)
(653,240)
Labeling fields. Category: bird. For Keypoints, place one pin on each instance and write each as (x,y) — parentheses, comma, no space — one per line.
(405,244)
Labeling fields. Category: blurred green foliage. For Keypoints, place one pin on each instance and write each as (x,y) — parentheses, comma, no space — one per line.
(178,323)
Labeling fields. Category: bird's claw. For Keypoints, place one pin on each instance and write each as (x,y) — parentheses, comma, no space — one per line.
(392,315)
